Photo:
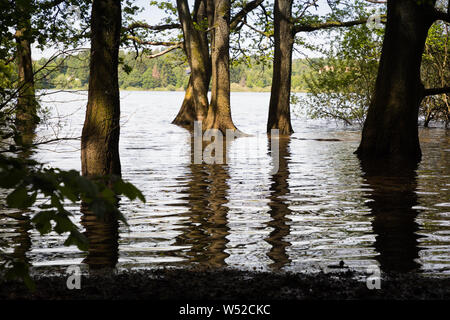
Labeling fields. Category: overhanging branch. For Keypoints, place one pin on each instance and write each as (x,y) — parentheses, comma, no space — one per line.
(243,13)
(435,91)
(154,43)
(143,25)
(327,25)
(156,55)
(439,15)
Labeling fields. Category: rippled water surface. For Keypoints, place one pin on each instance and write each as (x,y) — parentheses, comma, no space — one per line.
(321,206)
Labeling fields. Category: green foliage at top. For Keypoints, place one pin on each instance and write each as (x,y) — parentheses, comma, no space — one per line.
(435,72)
(343,83)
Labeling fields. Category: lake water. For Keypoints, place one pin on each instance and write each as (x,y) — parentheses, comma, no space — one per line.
(321,206)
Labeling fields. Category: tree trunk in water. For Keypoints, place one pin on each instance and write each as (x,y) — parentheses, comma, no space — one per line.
(195,104)
(186,116)
(219,112)
(279,108)
(101,130)
(100,137)
(391,129)
(26,114)
(427,120)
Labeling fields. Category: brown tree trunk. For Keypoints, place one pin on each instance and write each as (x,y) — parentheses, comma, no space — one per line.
(391,130)
(26,113)
(101,130)
(219,112)
(187,115)
(100,137)
(279,108)
(427,119)
(195,104)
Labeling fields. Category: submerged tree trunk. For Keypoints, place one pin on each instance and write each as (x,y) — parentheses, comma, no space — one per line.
(391,127)
(26,114)
(187,115)
(195,104)
(279,108)
(100,136)
(219,112)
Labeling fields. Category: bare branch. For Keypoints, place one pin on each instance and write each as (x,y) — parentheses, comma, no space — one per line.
(258,31)
(327,25)
(435,91)
(143,25)
(154,43)
(243,13)
(156,55)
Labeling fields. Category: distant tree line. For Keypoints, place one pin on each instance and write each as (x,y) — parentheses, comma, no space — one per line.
(167,72)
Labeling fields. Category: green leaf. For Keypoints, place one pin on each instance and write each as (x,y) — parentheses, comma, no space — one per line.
(42,221)
(68,193)
(20,269)
(128,190)
(78,239)
(20,199)
(63,224)
(87,186)
(98,207)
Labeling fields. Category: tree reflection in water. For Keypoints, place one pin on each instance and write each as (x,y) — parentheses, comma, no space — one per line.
(103,237)
(392,198)
(279,209)
(207,230)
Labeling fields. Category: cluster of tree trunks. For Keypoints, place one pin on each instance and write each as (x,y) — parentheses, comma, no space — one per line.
(195,104)
(204,66)
(219,111)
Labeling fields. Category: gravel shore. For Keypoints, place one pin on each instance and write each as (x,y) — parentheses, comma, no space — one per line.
(176,284)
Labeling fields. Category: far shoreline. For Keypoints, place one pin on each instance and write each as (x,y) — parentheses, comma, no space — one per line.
(233,89)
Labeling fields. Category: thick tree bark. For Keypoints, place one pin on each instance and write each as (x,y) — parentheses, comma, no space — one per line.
(279,108)
(187,115)
(26,113)
(195,104)
(100,137)
(101,130)
(391,129)
(219,112)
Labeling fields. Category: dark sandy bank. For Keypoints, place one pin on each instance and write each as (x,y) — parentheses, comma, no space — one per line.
(175,284)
